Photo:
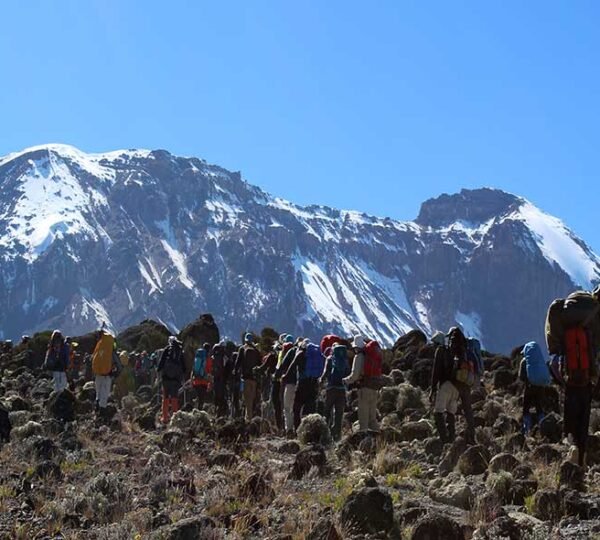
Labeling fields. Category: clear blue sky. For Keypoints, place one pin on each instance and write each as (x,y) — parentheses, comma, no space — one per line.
(373,106)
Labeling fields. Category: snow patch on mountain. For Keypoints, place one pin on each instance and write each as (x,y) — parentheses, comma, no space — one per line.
(52,204)
(558,245)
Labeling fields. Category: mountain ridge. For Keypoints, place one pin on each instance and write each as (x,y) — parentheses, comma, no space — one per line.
(163,224)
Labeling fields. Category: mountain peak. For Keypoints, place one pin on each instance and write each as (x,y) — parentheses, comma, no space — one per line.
(471,205)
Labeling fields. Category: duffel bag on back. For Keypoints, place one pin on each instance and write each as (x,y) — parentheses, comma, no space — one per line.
(538,373)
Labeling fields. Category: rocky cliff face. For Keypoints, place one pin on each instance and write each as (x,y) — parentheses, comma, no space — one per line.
(129,235)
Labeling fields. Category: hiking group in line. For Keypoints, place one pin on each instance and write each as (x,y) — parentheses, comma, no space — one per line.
(285,384)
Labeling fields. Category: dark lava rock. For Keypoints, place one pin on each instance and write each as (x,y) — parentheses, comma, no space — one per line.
(308,458)
(572,476)
(146,421)
(474,461)
(187,529)
(436,527)
(546,454)
(223,458)
(503,378)
(46,470)
(368,511)
(324,529)
(504,462)
(61,406)
(258,486)
(288,447)
(551,428)
(547,505)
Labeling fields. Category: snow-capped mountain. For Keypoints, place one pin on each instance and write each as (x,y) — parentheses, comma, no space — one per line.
(126,235)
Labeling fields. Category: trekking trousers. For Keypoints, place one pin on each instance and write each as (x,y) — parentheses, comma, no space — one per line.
(578,403)
(533,397)
(305,401)
(289,395)
(60,380)
(335,404)
(276,401)
(367,409)
(464,392)
(103,385)
(249,398)
(220,399)
(446,399)
(201,392)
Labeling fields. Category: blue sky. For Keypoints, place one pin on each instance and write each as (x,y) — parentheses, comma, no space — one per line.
(374,106)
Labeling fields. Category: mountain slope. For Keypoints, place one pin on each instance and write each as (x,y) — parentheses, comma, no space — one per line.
(126,235)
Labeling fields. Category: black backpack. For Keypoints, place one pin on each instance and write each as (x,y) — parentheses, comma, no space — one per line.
(171,363)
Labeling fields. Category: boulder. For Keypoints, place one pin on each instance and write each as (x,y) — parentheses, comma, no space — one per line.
(452,491)
(324,529)
(503,462)
(61,405)
(147,336)
(572,476)
(551,428)
(474,461)
(258,487)
(187,529)
(203,330)
(436,527)
(314,430)
(419,431)
(420,374)
(547,454)
(368,511)
(503,378)
(307,459)
(547,505)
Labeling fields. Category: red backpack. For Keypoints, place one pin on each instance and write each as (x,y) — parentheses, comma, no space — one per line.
(329,341)
(577,357)
(373,360)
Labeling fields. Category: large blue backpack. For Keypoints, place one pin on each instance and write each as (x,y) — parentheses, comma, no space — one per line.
(200,364)
(314,362)
(474,355)
(339,365)
(538,373)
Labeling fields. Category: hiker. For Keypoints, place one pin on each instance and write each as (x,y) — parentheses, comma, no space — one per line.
(248,358)
(218,361)
(336,368)
(57,360)
(534,372)
(103,365)
(201,375)
(573,334)
(444,393)
(464,376)
(308,364)
(125,381)
(267,370)
(366,371)
(171,368)
(234,385)
(288,380)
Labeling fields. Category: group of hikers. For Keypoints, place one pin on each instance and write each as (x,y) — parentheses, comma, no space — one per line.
(286,382)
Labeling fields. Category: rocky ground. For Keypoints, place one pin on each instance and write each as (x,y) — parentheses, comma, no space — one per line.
(66,475)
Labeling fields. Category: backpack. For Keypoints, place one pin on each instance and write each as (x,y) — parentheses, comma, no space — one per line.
(170,363)
(339,364)
(329,341)
(102,357)
(284,350)
(537,370)
(251,359)
(313,367)
(578,356)
(464,370)
(579,309)
(199,369)
(373,366)
(475,356)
